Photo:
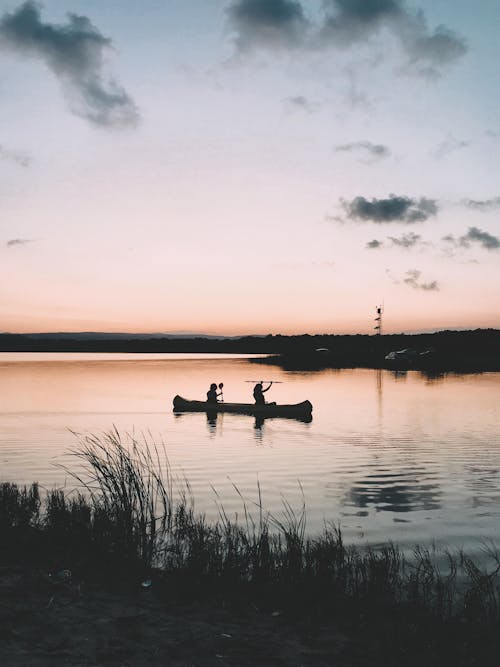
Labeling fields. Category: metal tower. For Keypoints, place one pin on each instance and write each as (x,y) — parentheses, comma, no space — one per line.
(378,320)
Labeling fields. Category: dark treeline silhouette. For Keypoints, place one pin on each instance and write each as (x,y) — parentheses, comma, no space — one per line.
(477,350)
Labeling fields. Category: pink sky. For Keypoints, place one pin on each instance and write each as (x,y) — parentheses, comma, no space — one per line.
(237,189)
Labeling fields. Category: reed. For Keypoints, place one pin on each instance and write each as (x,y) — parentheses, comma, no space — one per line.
(128,517)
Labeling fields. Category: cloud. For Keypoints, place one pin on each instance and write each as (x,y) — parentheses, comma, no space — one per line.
(484,205)
(13,242)
(413,280)
(282,24)
(74,52)
(273,24)
(406,240)
(392,209)
(22,159)
(376,151)
(474,235)
(430,51)
(485,239)
(450,145)
(300,103)
(350,22)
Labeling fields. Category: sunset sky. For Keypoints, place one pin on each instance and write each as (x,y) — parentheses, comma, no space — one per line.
(249,166)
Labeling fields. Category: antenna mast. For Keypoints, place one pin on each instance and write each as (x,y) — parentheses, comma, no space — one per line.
(378,319)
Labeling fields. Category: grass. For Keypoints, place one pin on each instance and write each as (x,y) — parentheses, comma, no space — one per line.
(129,520)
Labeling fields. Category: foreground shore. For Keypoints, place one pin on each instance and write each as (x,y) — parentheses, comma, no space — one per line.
(125,572)
(45,623)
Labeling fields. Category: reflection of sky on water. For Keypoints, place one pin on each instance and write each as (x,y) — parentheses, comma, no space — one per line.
(484,484)
(394,492)
(404,457)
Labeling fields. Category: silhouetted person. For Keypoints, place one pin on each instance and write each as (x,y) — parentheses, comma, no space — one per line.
(258,393)
(212,394)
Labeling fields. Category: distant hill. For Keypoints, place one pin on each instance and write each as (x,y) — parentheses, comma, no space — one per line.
(99,335)
(470,351)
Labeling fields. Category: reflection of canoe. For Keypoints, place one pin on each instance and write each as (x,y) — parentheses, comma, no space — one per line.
(297,411)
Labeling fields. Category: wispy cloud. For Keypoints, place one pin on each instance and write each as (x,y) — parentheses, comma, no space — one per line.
(74,52)
(364,148)
(22,159)
(406,240)
(392,209)
(482,205)
(14,242)
(449,145)
(413,280)
(300,103)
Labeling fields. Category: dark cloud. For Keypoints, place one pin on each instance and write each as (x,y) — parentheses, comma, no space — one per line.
(14,242)
(406,240)
(485,239)
(74,52)
(22,159)
(278,24)
(483,205)
(374,244)
(473,236)
(275,24)
(376,151)
(350,22)
(392,209)
(413,280)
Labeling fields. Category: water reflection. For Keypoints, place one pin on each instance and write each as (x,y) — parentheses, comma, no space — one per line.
(212,422)
(214,419)
(393,455)
(434,377)
(394,492)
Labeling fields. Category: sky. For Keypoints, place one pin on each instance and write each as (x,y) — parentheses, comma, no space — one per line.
(249,166)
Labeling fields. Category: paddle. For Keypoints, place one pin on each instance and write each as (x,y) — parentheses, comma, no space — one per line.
(262,381)
(221,384)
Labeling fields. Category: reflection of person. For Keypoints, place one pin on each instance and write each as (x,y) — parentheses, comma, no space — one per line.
(258,393)
(212,393)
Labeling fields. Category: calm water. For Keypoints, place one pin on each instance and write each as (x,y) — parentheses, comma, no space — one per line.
(389,457)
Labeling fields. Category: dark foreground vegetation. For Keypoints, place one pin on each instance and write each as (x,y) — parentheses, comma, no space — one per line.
(126,572)
(461,351)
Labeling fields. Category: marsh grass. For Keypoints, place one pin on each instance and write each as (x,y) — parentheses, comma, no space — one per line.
(129,518)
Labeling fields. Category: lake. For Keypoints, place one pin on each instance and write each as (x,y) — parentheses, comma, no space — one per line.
(387,456)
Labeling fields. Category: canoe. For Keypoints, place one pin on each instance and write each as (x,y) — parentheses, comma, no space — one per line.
(296,411)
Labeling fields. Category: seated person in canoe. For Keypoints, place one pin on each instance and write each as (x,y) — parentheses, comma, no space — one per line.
(213,394)
(258,393)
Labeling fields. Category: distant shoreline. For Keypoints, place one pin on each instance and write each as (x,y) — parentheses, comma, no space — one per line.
(462,351)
